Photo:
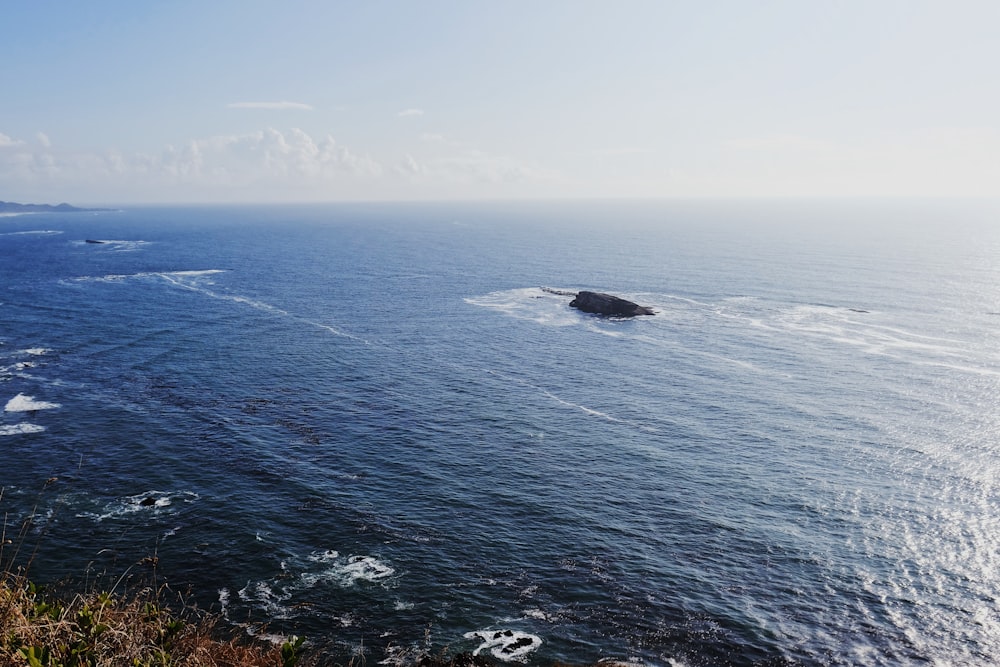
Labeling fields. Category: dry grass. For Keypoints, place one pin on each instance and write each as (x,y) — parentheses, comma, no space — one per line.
(97,629)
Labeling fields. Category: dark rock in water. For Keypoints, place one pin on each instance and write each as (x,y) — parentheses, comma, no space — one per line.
(146,502)
(606,304)
(93,241)
(520,643)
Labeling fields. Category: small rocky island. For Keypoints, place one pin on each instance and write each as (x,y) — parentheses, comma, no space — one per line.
(608,305)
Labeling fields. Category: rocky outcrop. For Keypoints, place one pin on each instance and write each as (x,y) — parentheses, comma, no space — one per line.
(608,305)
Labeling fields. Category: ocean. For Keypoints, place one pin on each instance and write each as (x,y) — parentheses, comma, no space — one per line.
(381,426)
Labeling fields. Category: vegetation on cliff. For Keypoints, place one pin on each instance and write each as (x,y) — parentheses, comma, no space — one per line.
(60,626)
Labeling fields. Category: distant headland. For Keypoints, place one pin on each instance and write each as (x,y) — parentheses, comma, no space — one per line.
(12,207)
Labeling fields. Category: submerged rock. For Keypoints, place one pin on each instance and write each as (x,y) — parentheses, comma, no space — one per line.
(606,304)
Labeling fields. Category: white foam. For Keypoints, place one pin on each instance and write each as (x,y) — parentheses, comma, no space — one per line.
(575,406)
(539,615)
(506,645)
(583,408)
(197,281)
(118,245)
(844,327)
(224,600)
(261,593)
(367,568)
(346,619)
(19,366)
(20,429)
(633,662)
(327,556)
(36,351)
(151,501)
(33,231)
(175,277)
(346,571)
(24,403)
(530,303)
(335,331)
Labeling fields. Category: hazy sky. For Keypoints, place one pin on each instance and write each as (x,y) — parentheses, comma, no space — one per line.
(255,100)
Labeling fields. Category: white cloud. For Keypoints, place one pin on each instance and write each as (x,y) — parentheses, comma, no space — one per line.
(410,112)
(7,141)
(266,156)
(43,139)
(267,164)
(281,106)
(264,165)
(409,166)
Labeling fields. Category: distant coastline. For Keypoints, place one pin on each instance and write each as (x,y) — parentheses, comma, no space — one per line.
(9,207)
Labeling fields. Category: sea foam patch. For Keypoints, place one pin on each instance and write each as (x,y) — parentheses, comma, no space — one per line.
(120,245)
(174,277)
(18,367)
(20,429)
(25,403)
(544,306)
(343,571)
(277,596)
(506,645)
(271,598)
(151,501)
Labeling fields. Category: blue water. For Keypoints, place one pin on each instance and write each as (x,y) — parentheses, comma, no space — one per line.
(368,424)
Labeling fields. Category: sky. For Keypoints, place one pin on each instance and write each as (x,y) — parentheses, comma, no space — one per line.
(245,101)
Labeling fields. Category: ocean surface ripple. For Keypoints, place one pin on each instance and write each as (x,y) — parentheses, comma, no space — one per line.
(383,427)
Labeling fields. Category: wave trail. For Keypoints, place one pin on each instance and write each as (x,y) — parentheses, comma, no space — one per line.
(569,404)
(199,281)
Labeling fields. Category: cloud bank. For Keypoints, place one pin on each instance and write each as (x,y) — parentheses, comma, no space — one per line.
(263,165)
(267,164)
(272,165)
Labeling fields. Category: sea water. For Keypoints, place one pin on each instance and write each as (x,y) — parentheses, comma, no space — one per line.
(381,426)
